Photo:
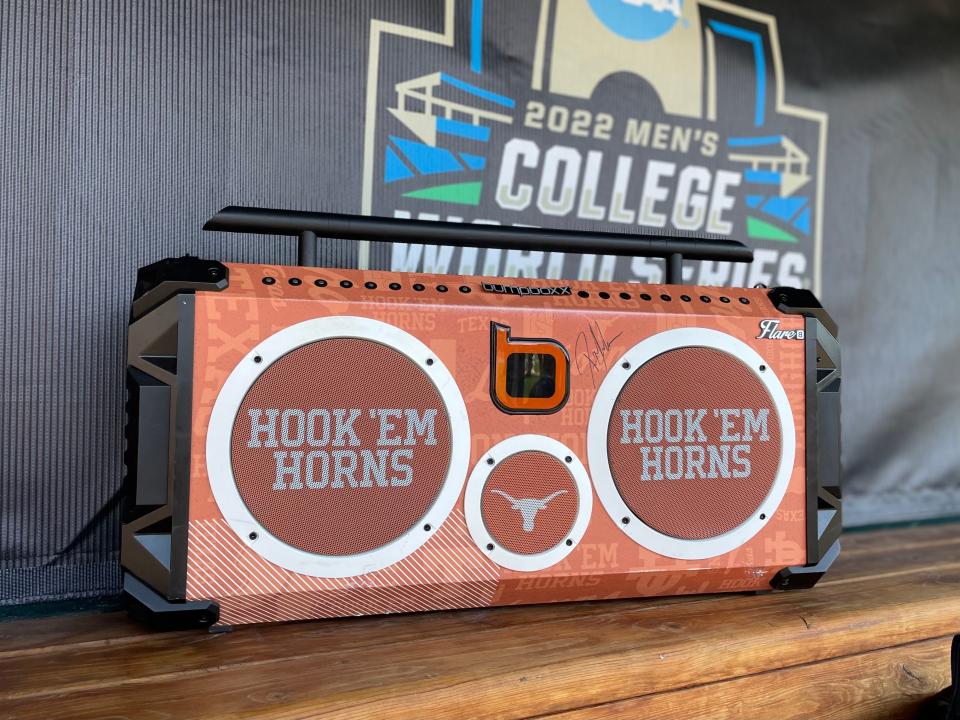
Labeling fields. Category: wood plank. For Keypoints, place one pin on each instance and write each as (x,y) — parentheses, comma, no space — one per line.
(371,631)
(899,560)
(890,683)
(26,636)
(857,542)
(550,666)
(94,654)
(352,632)
(862,553)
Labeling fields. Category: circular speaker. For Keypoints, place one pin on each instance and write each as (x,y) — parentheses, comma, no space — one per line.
(691,443)
(528,502)
(337,446)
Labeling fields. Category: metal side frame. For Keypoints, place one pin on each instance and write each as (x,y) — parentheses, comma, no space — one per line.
(153,550)
(824,498)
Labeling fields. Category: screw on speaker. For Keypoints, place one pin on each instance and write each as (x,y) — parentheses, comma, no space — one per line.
(528,502)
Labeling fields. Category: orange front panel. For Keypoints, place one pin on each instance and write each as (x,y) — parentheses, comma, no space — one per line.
(448,567)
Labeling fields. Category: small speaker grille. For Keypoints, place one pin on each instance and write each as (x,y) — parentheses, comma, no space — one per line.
(355,484)
(694,443)
(529,502)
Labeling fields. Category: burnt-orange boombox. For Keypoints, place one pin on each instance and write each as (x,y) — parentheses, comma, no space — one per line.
(310,443)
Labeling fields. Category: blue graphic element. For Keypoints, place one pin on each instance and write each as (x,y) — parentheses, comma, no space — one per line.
(762,177)
(477,91)
(425,159)
(476,36)
(635,19)
(755,141)
(784,208)
(759,60)
(463,129)
(395,169)
(474,162)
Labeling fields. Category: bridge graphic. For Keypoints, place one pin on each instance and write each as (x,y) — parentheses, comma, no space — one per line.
(425,113)
(767,165)
(439,104)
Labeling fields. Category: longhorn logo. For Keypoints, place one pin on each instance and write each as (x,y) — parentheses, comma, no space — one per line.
(529,507)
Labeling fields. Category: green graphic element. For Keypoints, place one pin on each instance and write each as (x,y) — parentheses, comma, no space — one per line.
(467,193)
(762,230)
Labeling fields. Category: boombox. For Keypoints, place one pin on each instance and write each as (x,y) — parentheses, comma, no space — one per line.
(309,443)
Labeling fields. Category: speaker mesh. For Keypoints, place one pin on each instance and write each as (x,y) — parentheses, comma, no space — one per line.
(346,512)
(699,481)
(529,502)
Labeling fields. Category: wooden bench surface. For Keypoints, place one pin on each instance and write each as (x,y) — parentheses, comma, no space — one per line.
(871,640)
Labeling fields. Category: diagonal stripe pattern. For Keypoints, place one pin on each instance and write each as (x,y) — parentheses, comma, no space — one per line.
(447,572)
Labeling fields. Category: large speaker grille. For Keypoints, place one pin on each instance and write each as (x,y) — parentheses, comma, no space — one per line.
(340,446)
(529,502)
(694,442)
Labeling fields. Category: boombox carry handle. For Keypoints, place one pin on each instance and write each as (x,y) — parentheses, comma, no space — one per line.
(309,225)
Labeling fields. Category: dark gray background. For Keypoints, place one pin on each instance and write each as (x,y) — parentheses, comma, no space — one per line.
(125,124)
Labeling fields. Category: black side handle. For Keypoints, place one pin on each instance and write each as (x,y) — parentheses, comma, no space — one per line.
(308,225)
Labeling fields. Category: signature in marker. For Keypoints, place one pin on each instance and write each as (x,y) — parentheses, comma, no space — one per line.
(591,350)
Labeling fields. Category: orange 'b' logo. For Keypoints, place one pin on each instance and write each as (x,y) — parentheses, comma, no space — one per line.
(527,375)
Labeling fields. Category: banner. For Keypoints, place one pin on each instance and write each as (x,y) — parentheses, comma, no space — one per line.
(679,127)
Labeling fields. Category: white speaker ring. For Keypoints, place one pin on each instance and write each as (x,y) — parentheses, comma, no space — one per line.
(597,435)
(218,446)
(473,502)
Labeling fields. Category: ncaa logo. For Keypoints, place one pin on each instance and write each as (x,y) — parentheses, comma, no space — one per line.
(638,19)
